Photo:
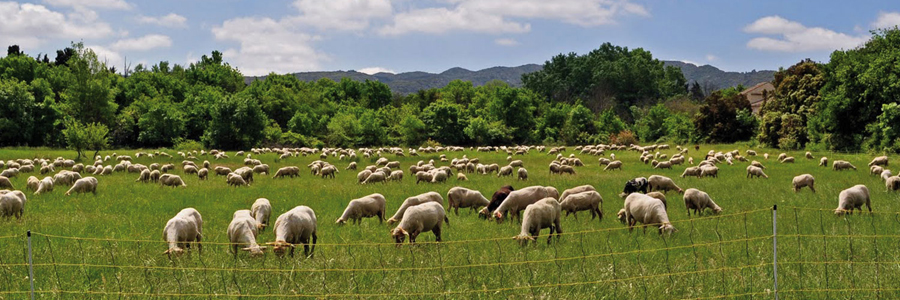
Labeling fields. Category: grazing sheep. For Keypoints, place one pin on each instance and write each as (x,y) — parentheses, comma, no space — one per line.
(876,170)
(789,159)
(505,171)
(613,165)
(879,161)
(234,179)
(362,176)
(261,169)
(10,173)
(496,199)
(757,164)
(376,177)
(190,169)
(663,165)
(420,218)
(646,210)
(246,173)
(638,184)
(46,185)
(661,197)
(287,171)
(576,190)
(462,197)
(296,226)
(691,171)
(698,201)
(567,170)
(396,175)
(823,162)
(782,156)
(203,173)
(840,165)
(327,171)
(588,200)
(519,199)
(84,185)
(5,183)
(461,177)
(154,176)
(766,156)
(709,171)
(242,232)
(755,171)
(424,176)
(365,207)
(892,183)
(439,177)
(413,201)
(352,166)
(144,177)
(184,228)
(805,180)
(171,180)
(662,183)
(522,174)
(12,204)
(886,174)
(261,210)
(542,214)
(809,155)
(223,171)
(853,198)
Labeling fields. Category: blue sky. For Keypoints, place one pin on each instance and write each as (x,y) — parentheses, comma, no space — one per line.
(398,36)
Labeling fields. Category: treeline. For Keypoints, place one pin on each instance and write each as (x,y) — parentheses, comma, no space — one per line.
(609,95)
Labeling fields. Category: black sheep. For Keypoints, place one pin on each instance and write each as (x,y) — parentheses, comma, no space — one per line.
(497,199)
(635,185)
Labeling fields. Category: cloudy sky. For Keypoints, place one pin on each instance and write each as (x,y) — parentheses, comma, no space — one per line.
(397,36)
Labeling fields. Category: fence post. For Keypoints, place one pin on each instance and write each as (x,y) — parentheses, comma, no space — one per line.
(775,247)
(30,265)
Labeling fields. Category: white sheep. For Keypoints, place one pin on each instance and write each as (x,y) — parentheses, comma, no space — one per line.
(522,174)
(10,173)
(505,171)
(789,159)
(261,210)
(697,200)
(424,176)
(646,210)
(588,200)
(242,232)
(809,155)
(691,171)
(182,230)
(756,171)
(461,177)
(5,183)
(261,169)
(362,176)
(32,183)
(420,218)
(171,180)
(662,183)
(519,199)
(439,176)
(46,185)
(804,180)
(396,175)
(709,171)
(544,213)
(84,185)
(879,161)
(613,165)
(296,226)
(462,197)
(853,198)
(886,174)
(12,204)
(378,176)
(285,171)
(202,174)
(365,207)
(840,165)
(576,190)
(823,162)
(413,201)
(876,170)
(892,183)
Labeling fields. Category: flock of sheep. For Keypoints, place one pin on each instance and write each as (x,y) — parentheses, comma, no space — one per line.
(537,207)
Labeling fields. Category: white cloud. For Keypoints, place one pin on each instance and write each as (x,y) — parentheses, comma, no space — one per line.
(375,70)
(887,20)
(109,56)
(267,46)
(103,4)
(171,20)
(503,16)
(711,58)
(30,25)
(341,14)
(144,43)
(506,42)
(795,37)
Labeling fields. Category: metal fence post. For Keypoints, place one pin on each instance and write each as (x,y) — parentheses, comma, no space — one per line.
(30,265)
(775,247)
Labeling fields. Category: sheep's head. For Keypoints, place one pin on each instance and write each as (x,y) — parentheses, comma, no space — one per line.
(176,251)
(255,250)
(484,213)
(841,212)
(667,228)
(498,216)
(717,210)
(280,247)
(391,221)
(523,239)
(399,235)
(340,221)
(621,215)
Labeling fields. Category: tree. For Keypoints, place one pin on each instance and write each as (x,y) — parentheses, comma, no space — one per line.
(81,137)
(213,71)
(652,126)
(725,117)
(413,131)
(90,98)
(235,123)
(794,100)
(16,106)
(885,133)
(13,50)
(445,122)
(161,124)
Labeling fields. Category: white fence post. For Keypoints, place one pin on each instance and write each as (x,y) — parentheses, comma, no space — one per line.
(30,265)
(775,247)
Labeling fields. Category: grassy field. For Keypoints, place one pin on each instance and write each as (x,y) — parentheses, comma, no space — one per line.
(118,252)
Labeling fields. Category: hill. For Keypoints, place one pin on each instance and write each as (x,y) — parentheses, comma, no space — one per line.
(410,82)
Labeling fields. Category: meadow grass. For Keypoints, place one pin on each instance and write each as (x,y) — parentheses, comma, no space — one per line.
(725,256)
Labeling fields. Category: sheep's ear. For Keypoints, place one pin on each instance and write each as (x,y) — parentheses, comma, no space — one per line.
(271,243)
(246,249)
(263,248)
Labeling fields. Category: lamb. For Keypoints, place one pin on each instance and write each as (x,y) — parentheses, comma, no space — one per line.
(823,162)
(613,165)
(46,185)
(365,207)
(242,232)
(789,159)
(171,180)
(182,230)
(566,169)
(413,201)
(709,171)
(234,179)
(5,183)
(287,171)
(420,218)
(542,214)
(522,174)
(327,171)
(505,171)
(573,203)
(376,177)
(805,180)
(296,226)
(853,198)
(144,177)
(892,183)
(84,185)
(576,190)
(396,175)
(646,210)
(462,197)
(154,176)
(12,204)
(424,176)
(840,165)
(691,171)
(203,173)
(698,201)
(261,210)
(755,171)
(461,177)
(518,200)
(879,161)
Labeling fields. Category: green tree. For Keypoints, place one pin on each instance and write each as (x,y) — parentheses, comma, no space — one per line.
(413,131)
(445,122)
(652,126)
(343,130)
(725,117)
(794,99)
(213,71)
(372,131)
(90,96)
(885,132)
(81,137)
(161,124)
(16,107)
(235,123)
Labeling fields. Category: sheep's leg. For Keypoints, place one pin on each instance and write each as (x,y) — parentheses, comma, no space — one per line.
(437,233)
(456,210)
(199,246)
